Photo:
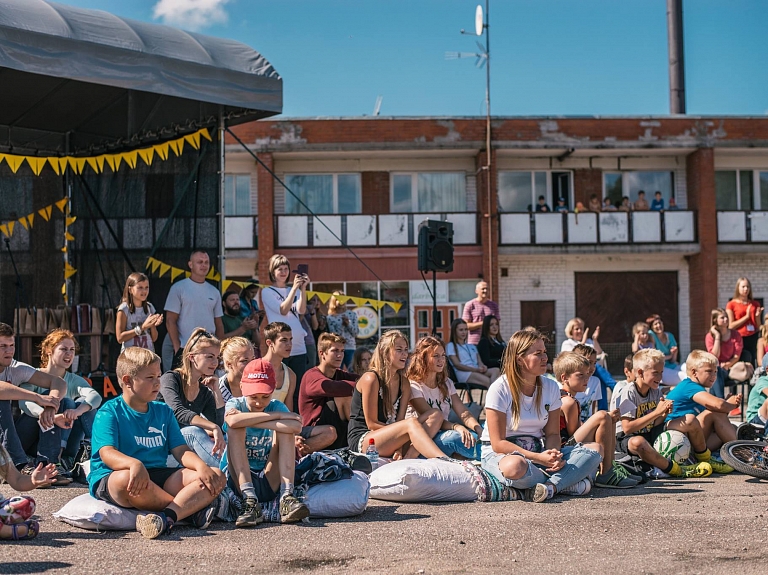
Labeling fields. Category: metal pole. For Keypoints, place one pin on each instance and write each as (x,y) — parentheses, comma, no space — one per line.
(676,57)
(434,303)
(491,278)
(68,187)
(222,250)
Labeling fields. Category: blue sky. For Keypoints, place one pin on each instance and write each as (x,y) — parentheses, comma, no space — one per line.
(548,57)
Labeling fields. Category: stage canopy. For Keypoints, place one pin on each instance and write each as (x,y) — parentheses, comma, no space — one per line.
(107,84)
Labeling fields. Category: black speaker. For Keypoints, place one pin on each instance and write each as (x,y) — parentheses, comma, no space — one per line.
(435,246)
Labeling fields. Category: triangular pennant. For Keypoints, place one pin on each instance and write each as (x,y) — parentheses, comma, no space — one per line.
(394,305)
(110,159)
(377,305)
(150,261)
(14,162)
(69,273)
(77,164)
(187,274)
(164,268)
(61,203)
(161,150)
(176,272)
(64,289)
(4,229)
(70,220)
(31,219)
(193,140)
(205,134)
(225,285)
(2,158)
(36,164)
(55,165)
(69,237)
(211,273)
(310,294)
(10,228)
(97,163)
(23,222)
(130,158)
(359,301)
(155,265)
(147,155)
(45,212)
(177,146)
(324,297)
(64,249)
(118,160)
(216,277)
(68,266)
(243,284)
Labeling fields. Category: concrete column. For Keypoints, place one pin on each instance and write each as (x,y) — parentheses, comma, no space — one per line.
(266,222)
(489,221)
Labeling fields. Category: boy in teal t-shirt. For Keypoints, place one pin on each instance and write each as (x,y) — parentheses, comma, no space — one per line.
(699,414)
(133,435)
(260,462)
(757,405)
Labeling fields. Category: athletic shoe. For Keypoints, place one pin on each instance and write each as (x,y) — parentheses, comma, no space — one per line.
(67,462)
(292,510)
(616,478)
(720,467)
(750,431)
(580,488)
(153,525)
(536,494)
(203,518)
(63,477)
(355,461)
(697,471)
(631,472)
(251,515)
(735,412)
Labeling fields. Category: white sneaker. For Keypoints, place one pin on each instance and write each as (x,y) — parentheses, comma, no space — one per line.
(581,488)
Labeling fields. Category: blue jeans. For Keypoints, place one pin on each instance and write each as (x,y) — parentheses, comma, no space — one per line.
(202,444)
(9,437)
(81,429)
(580,462)
(718,388)
(349,355)
(450,442)
(606,382)
(48,443)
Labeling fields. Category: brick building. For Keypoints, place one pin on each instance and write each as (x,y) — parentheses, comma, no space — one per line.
(372,180)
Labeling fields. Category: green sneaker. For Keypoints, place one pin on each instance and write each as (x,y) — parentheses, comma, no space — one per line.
(699,470)
(616,478)
(720,467)
(292,510)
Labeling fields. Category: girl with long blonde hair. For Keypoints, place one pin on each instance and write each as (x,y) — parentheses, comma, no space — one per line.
(521,438)
(379,404)
(236,353)
(192,391)
(432,390)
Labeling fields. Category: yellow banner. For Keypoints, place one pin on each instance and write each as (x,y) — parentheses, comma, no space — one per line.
(114,161)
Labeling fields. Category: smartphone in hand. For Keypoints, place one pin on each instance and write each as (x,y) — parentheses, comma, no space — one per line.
(302,270)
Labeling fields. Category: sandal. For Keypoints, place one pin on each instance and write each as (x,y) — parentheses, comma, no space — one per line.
(33,528)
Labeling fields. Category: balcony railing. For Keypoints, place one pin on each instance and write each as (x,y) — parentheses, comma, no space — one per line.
(386,230)
(742,227)
(589,228)
(241,232)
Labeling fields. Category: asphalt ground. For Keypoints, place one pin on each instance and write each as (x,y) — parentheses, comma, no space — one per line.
(714,525)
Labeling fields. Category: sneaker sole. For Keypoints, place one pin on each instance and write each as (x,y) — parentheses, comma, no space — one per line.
(150,526)
(536,494)
(296,515)
(607,486)
(209,515)
(249,522)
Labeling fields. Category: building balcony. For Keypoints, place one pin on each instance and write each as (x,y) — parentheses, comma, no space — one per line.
(385,230)
(742,227)
(241,232)
(605,228)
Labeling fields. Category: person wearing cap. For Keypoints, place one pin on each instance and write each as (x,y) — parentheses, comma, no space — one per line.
(259,462)
(561,207)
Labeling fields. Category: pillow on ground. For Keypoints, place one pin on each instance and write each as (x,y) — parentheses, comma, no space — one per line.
(422,481)
(87,512)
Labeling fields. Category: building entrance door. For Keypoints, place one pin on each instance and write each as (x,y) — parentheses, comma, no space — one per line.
(422,319)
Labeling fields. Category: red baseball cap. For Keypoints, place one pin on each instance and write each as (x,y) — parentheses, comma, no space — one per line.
(258,377)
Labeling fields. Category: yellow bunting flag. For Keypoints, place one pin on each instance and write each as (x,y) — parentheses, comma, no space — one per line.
(45,212)
(164,268)
(226,284)
(14,162)
(147,155)
(10,228)
(176,272)
(4,229)
(161,150)
(206,134)
(217,277)
(324,297)
(69,237)
(395,306)
(36,164)
(70,220)
(69,273)
(211,273)
(155,265)
(187,274)
(149,263)
(193,140)
(56,166)
(23,222)
(64,249)
(61,203)
(130,158)
(77,164)
(113,161)
(96,163)
(31,219)
(177,146)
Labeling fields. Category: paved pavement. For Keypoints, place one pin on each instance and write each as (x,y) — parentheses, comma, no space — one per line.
(713,525)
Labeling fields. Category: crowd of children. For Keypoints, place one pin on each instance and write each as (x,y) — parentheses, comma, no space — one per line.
(224,424)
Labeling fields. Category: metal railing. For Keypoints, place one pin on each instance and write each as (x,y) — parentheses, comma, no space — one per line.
(742,227)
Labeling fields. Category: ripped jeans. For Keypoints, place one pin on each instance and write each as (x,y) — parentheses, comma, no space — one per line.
(580,462)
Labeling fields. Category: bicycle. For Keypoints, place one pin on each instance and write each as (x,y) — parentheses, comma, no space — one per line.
(749,453)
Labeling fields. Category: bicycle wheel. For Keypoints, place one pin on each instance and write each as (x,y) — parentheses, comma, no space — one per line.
(750,457)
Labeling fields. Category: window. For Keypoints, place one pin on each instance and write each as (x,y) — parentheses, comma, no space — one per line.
(619,184)
(520,191)
(323,194)
(439,192)
(741,190)
(237,195)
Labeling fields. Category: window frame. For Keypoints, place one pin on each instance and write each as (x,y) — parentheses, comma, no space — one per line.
(549,197)
(236,175)
(335,192)
(756,199)
(625,184)
(415,188)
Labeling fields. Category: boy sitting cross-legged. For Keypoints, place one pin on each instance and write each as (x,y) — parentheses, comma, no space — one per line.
(572,371)
(699,414)
(132,438)
(642,411)
(260,462)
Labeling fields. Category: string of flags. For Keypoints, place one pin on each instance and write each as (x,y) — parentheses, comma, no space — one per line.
(78,163)
(28,221)
(160,268)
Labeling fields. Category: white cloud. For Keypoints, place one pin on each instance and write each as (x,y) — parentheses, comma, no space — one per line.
(191,14)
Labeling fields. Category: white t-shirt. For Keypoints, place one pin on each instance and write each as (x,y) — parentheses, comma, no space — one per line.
(532,421)
(137,318)
(197,305)
(17,373)
(615,394)
(570,343)
(433,397)
(467,353)
(586,398)
(271,298)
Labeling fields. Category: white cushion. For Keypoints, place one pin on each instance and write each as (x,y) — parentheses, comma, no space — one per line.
(344,498)
(423,480)
(87,512)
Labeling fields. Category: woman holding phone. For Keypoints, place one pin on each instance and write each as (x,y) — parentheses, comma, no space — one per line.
(287,303)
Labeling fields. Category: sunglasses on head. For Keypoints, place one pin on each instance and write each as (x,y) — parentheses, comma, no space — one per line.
(197,338)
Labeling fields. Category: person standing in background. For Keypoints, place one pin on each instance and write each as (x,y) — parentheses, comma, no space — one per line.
(744,315)
(476,310)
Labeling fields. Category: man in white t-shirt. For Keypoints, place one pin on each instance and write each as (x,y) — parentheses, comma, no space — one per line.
(13,374)
(191,303)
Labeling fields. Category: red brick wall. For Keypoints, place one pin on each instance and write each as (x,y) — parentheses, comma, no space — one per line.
(489,239)
(586,182)
(375,192)
(266,187)
(700,172)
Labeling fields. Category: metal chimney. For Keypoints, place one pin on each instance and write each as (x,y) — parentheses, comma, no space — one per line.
(676,58)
